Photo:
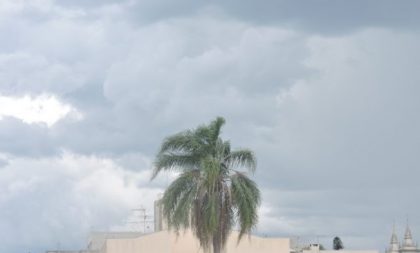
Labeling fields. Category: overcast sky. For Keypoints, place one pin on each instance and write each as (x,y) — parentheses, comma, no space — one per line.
(325,92)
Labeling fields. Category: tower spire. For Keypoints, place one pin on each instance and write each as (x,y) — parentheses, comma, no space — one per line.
(394,245)
(408,238)
(394,238)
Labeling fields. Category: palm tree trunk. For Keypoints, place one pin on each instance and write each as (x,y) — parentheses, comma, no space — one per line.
(217,248)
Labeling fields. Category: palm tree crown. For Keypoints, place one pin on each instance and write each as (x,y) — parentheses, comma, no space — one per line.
(210,195)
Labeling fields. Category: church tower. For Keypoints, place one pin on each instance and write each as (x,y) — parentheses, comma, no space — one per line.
(394,245)
(408,244)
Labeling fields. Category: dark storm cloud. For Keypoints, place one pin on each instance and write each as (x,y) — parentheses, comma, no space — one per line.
(325,16)
(328,16)
(325,93)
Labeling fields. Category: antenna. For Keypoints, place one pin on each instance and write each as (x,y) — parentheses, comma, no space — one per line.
(140,219)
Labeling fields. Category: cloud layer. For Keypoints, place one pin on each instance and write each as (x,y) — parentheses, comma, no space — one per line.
(327,101)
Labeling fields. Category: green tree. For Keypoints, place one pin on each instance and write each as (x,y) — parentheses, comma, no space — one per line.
(337,243)
(211,195)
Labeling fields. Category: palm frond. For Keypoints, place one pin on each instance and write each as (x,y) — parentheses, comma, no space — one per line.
(183,142)
(246,199)
(215,128)
(178,198)
(243,158)
(168,161)
(226,215)
(211,174)
(226,148)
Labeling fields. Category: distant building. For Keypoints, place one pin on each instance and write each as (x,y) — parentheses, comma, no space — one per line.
(315,248)
(408,245)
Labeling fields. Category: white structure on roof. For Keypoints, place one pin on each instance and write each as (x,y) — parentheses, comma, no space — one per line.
(159,223)
(407,246)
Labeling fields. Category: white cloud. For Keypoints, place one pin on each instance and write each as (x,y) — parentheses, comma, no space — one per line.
(48,201)
(42,109)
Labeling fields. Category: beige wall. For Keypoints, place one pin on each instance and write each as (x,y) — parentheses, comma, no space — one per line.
(166,242)
(256,244)
(156,242)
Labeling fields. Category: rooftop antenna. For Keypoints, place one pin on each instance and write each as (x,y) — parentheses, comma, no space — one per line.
(141,218)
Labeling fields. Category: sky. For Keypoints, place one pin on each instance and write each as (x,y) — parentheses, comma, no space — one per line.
(324,92)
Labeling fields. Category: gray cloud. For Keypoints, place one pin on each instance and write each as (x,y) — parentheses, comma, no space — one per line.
(345,145)
(18,138)
(332,117)
(325,17)
(328,16)
(356,118)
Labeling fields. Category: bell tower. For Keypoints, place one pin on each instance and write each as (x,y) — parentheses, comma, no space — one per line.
(393,245)
(408,243)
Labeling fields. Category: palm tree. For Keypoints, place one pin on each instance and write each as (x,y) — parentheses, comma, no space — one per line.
(210,196)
